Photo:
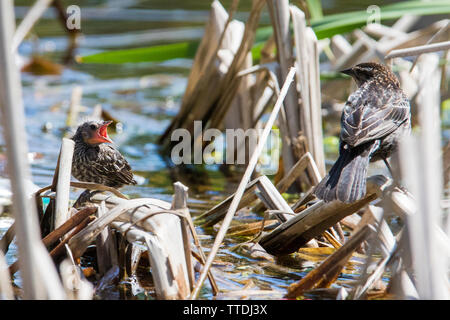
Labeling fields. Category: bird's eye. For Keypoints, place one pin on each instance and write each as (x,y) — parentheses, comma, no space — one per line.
(93,126)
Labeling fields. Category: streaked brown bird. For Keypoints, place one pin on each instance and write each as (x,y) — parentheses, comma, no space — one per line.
(374,118)
(97,162)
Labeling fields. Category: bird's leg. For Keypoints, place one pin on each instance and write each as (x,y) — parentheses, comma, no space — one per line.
(389,167)
(402,188)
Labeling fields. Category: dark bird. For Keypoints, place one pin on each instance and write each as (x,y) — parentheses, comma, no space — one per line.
(374,118)
(97,162)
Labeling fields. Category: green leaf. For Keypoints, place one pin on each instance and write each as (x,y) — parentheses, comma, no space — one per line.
(146,54)
(324,27)
(408,7)
(315,9)
(331,144)
(349,21)
(256,51)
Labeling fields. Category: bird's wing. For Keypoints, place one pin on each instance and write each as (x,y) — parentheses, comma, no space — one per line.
(115,166)
(372,113)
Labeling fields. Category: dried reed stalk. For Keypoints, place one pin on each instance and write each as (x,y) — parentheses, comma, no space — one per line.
(39,275)
(327,271)
(422,175)
(77,287)
(63,182)
(230,84)
(179,202)
(68,225)
(216,213)
(28,22)
(414,51)
(279,13)
(74,108)
(154,223)
(314,220)
(105,245)
(170,282)
(61,247)
(385,241)
(79,243)
(242,186)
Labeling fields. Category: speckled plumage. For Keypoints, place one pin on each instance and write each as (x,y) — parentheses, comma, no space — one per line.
(374,118)
(99,163)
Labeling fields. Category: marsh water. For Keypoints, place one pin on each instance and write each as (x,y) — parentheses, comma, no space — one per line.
(144,97)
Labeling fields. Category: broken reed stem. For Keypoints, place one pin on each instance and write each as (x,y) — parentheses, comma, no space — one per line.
(293,173)
(202,257)
(331,267)
(332,239)
(231,12)
(240,191)
(315,104)
(185,216)
(63,182)
(230,83)
(60,248)
(422,175)
(273,200)
(296,170)
(303,76)
(314,220)
(179,203)
(290,123)
(104,244)
(79,243)
(215,214)
(279,14)
(28,22)
(96,186)
(74,222)
(431,40)
(74,108)
(413,51)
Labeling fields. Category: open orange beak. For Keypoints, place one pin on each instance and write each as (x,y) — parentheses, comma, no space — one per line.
(101,135)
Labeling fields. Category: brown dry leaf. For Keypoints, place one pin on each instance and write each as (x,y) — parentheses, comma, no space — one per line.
(327,272)
(321,253)
(314,254)
(248,229)
(41,66)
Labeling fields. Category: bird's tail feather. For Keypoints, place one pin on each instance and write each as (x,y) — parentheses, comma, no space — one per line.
(346,180)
